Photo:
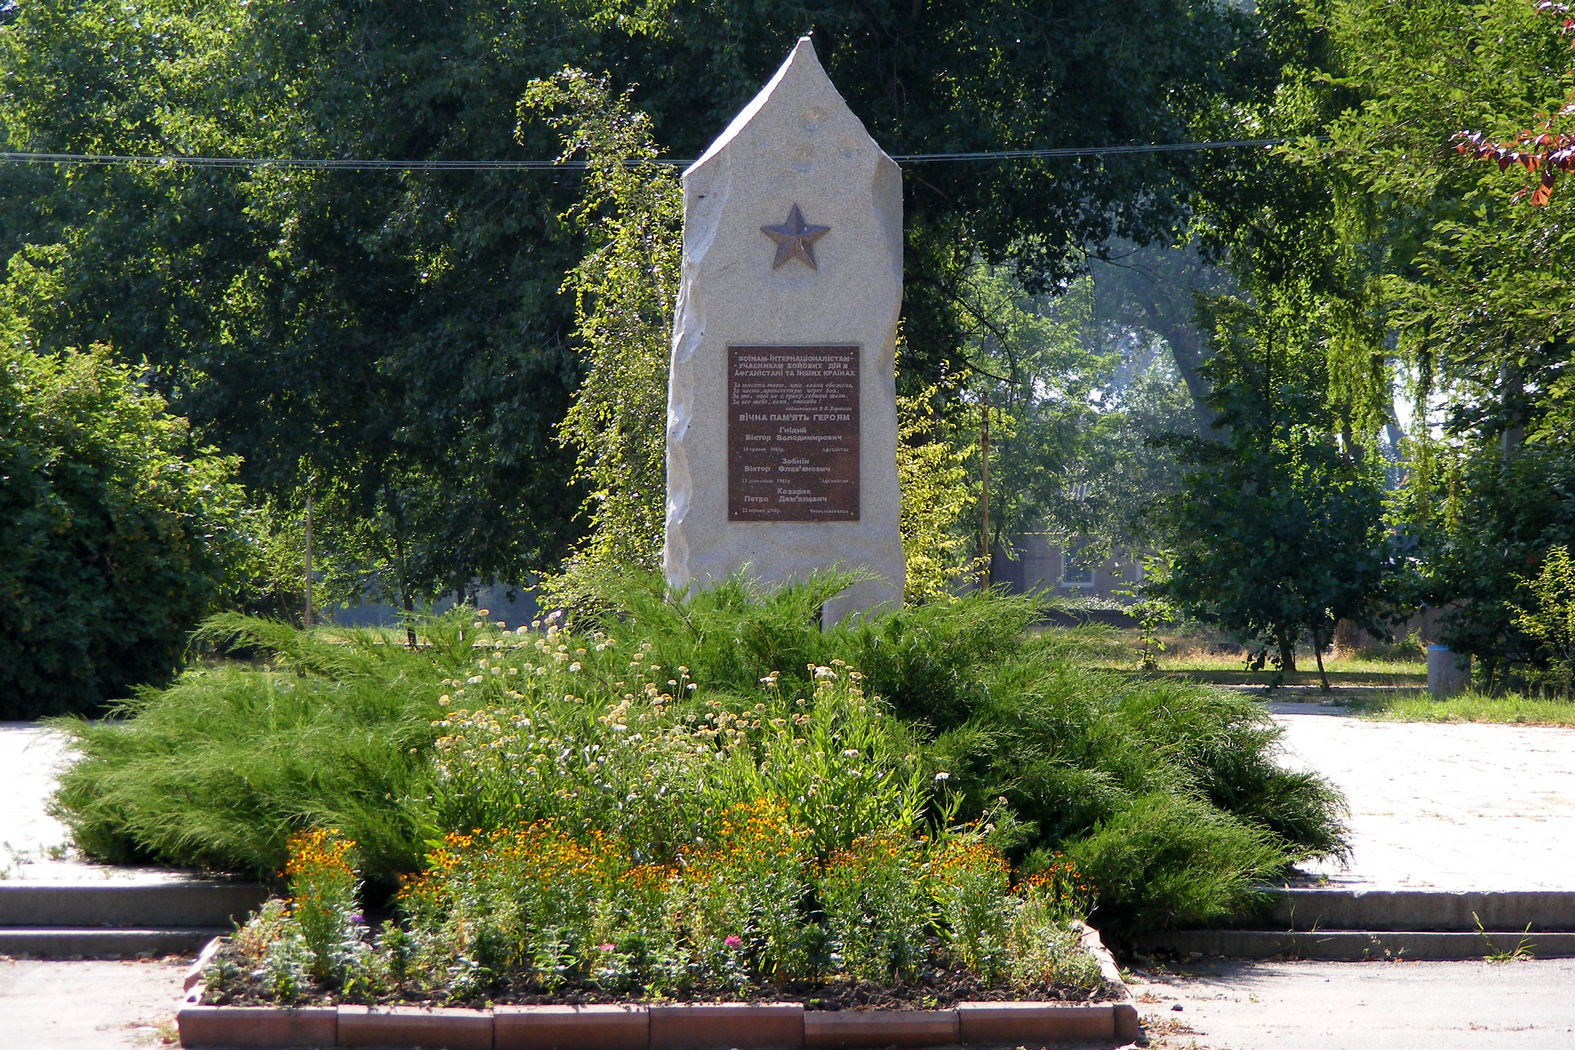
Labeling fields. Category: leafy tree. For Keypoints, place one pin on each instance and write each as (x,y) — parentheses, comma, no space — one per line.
(1278,531)
(1279,540)
(1476,288)
(1072,398)
(116,534)
(398,340)
(396,337)
(625,289)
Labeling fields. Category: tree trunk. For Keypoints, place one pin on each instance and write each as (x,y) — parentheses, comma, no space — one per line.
(1318,655)
(1287,643)
(410,612)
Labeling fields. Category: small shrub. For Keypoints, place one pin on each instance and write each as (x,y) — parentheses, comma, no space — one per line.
(876,908)
(969,879)
(1551,622)
(1044,950)
(525,900)
(323,891)
(739,903)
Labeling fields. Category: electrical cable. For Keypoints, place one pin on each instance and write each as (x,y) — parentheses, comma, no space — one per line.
(349,164)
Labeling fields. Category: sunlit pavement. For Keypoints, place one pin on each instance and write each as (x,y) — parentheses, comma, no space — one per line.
(1360,1006)
(1436,806)
(1445,806)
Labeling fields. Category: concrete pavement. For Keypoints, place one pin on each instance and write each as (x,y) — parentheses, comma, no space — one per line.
(1522,1005)
(88,1005)
(34,846)
(1444,806)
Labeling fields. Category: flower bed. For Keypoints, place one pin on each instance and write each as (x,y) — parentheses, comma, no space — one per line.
(670,1026)
(538,916)
(637,839)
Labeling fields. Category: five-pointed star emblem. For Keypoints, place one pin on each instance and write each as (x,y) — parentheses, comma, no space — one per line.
(794,239)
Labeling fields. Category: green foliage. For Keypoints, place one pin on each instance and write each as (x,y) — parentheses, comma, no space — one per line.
(1151,610)
(933,476)
(1273,543)
(398,341)
(1551,620)
(533,909)
(323,888)
(219,769)
(1501,511)
(392,340)
(1071,396)
(877,912)
(1478,289)
(1278,530)
(630,215)
(116,534)
(970,881)
(601,733)
(1166,859)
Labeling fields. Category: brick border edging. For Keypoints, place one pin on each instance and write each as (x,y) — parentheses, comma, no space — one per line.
(708,1026)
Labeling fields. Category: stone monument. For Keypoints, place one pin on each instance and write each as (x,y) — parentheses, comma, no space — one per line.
(781,405)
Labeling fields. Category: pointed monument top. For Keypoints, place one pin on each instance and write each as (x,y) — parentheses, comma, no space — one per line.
(803,80)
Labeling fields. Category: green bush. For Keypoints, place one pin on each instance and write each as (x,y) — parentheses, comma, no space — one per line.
(116,535)
(648,722)
(217,770)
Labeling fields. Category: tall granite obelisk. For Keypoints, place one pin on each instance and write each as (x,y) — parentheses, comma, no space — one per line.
(781,406)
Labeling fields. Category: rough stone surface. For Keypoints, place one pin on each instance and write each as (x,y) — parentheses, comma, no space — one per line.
(798,144)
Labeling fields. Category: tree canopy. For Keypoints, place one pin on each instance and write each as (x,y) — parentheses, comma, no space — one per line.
(398,341)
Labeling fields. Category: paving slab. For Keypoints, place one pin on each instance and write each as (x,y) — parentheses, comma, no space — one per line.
(1360,1006)
(1443,806)
(88,1005)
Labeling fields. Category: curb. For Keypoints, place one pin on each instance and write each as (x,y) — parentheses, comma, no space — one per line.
(66,943)
(1320,907)
(202,903)
(718,1026)
(1358,945)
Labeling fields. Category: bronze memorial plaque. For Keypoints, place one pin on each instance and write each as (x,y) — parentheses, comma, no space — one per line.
(792,433)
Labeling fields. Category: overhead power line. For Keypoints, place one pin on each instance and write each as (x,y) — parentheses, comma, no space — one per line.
(352,164)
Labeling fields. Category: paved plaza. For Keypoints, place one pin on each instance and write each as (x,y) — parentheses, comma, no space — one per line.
(1444,806)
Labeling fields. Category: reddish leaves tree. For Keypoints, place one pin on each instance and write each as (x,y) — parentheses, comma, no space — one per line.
(1542,150)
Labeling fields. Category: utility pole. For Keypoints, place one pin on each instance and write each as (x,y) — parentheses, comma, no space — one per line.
(984,494)
(306,617)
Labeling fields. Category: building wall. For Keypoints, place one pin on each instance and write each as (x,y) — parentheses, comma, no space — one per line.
(1040,560)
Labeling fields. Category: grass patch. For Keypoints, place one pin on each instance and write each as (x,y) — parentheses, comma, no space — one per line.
(1166,793)
(1469,707)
